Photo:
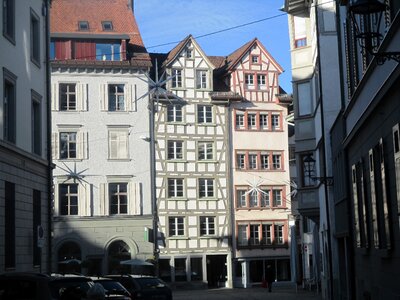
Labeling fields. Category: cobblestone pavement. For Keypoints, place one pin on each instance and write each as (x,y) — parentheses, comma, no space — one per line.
(246,294)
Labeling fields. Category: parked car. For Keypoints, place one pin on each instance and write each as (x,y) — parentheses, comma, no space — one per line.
(37,286)
(144,287)
(114,290)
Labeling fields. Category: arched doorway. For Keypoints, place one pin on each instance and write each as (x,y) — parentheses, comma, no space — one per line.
(69,258)
(117,252)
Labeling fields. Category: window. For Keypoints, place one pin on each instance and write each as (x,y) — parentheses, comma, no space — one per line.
(277,195)
(239,120)
(36,131)
(206,188)
(68,96)
(207,226)
(253,199)
(300,33)
(108,51)
(266,233)
(118,193)
(177,79)
(118,144)
(175,188)
(264,121)
(251,121)
(9,106)
(264,161)
(254,235)
(176,226)
(242,235)
(201,79)
(276,161)
(275,122)
(68,197)
(107,25)
(9,20)
(83,25)
(304,98)
(175,150)
(189,52)
(261,81)
(174,113)
(116,97)
(265,198)
(253,161)
(35,38)
(240,161)
(396,153)
(278,234)
(206,150)
(249,80)
(68,145)
(9,224)
(204,114)
(254,59)
(241,198)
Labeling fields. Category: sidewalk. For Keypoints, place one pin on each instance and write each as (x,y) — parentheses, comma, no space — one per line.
(246,294)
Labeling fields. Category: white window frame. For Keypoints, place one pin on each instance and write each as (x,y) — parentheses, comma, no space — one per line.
(69,195)
(205,150)
(176,81)
(254,234)
(72,140)
(207,225)
(206,188)
(176,226)
(251,121)
(265,198)
(266,234)
(241,198)
(240,120)
(242,235)
(264,121)
(204,114)
(277,197)
(174,113)
(120,196)
(175,188)
(201,79)
(265,164)
(71,105)
(275,121)
(118,107)
(279,238)
(253,161)
(241,161)
(261,81)
(276,161)
(249,80)
(175,150)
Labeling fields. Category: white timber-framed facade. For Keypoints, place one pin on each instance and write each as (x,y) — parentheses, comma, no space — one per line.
(192,173)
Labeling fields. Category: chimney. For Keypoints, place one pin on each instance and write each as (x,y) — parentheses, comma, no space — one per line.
(131,5)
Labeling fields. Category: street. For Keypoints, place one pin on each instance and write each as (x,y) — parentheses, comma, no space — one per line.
(248,294)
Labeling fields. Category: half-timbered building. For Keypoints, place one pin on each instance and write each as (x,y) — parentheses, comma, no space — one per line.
(259,161)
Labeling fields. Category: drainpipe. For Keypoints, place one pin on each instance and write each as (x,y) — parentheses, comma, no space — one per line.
(49,156)
(328,229)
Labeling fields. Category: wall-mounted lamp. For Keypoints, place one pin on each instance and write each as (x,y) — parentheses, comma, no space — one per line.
(366,16)
(309,170)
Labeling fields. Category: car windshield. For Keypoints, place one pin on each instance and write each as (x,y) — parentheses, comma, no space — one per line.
(149,282)
(111,285)
(69,287)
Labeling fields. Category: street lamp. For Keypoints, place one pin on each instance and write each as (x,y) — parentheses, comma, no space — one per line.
(366,16)
(309,169)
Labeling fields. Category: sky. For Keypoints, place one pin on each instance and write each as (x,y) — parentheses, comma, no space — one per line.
(170,21)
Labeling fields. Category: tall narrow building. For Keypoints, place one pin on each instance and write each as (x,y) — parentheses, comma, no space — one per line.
(102,165)
(25,171)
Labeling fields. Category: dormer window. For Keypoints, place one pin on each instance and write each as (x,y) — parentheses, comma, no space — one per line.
(107,25)
(254,59)
(83,25)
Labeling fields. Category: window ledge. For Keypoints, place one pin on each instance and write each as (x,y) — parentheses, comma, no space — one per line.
(182,237)
(207,124)
(208,237)
(177,199)
(177,161)
(211,161)
(119,159)
(208,199)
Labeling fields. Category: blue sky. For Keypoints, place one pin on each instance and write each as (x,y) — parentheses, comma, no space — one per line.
(169,21)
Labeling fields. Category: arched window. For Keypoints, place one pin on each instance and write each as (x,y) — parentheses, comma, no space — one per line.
(69,258)
(117,252)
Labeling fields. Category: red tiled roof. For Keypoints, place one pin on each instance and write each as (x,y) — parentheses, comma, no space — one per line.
(176,49)
(65,15)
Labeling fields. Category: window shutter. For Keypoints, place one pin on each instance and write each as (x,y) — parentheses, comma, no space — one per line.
(103,97)
(82,145)
(81,96)
(54,96)
(122,147)
(385,196)
(103,199)
(56,199)
(373,198)
(355,206)
(113,145)
(54,145)
(81,200)
(134,198)
(88,200)
(128,97)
